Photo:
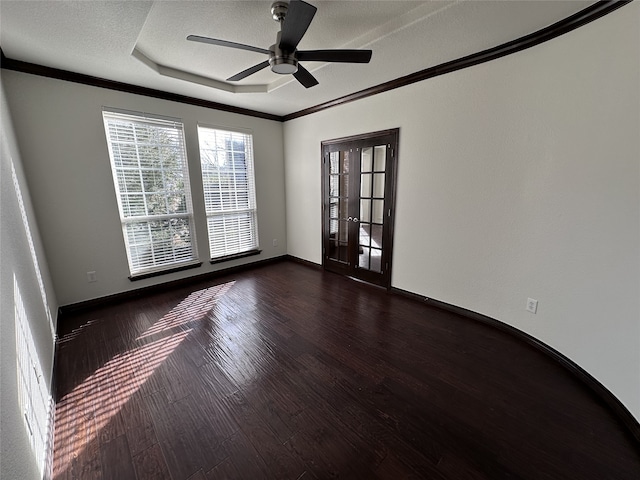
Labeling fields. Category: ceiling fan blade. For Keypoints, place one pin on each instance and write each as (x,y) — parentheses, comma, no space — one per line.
(304,77)
(248,71)
(296,22)
(225,43)
(346,56)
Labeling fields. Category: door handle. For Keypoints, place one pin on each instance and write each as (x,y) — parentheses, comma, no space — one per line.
(349,219)
(355,219)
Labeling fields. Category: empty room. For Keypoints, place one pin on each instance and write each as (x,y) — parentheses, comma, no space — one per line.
(320,239)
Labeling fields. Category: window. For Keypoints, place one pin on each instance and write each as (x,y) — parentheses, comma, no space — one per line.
(151,178)
(229,191)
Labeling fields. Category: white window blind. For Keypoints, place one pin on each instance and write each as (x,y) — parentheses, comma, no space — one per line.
(149,166)
(229,191)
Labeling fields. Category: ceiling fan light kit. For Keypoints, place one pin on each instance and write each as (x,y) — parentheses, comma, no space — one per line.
(294,18)
(280,60)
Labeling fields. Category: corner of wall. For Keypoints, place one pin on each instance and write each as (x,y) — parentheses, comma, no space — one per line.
(27,321)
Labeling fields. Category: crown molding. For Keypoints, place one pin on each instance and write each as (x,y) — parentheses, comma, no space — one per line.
(35,69)
(561,27)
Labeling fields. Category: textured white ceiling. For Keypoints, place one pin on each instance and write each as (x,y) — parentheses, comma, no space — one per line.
(99,38)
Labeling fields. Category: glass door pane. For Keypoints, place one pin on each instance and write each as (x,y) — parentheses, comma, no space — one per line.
(371,219)
(339,206)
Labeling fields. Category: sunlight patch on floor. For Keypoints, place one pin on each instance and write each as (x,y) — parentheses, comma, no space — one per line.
(89,407)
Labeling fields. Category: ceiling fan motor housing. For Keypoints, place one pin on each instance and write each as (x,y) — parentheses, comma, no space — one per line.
(281,61)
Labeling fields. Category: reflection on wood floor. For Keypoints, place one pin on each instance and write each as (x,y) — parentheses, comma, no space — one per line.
(287,372)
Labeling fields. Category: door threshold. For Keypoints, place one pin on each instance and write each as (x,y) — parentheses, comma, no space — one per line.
(368,283)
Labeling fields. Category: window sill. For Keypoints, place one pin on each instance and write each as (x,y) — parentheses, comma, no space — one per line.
(141,276)
(226,258)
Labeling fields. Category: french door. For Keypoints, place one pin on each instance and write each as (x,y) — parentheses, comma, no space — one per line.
(358,184)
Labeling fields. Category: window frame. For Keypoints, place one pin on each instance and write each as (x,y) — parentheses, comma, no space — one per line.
(252,209)
(154,267)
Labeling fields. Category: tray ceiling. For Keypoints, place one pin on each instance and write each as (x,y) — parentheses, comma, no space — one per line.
(144,43)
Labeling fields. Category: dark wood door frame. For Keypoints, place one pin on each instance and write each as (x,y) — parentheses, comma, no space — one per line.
(354,145)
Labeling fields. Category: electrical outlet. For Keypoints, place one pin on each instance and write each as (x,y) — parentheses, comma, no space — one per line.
(91,277)
(532,305)
(275,242)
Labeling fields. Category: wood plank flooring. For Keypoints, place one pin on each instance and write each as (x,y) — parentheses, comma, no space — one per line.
(287,372)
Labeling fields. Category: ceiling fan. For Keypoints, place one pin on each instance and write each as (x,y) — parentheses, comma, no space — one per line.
(294,18)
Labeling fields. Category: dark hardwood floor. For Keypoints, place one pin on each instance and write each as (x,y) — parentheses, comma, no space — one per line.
(287,372)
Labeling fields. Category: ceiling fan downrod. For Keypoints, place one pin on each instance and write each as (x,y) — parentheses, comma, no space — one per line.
(281,61)
(279,10)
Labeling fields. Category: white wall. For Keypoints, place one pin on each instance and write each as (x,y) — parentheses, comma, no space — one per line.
(516,178)
(23,267)
(61,135)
